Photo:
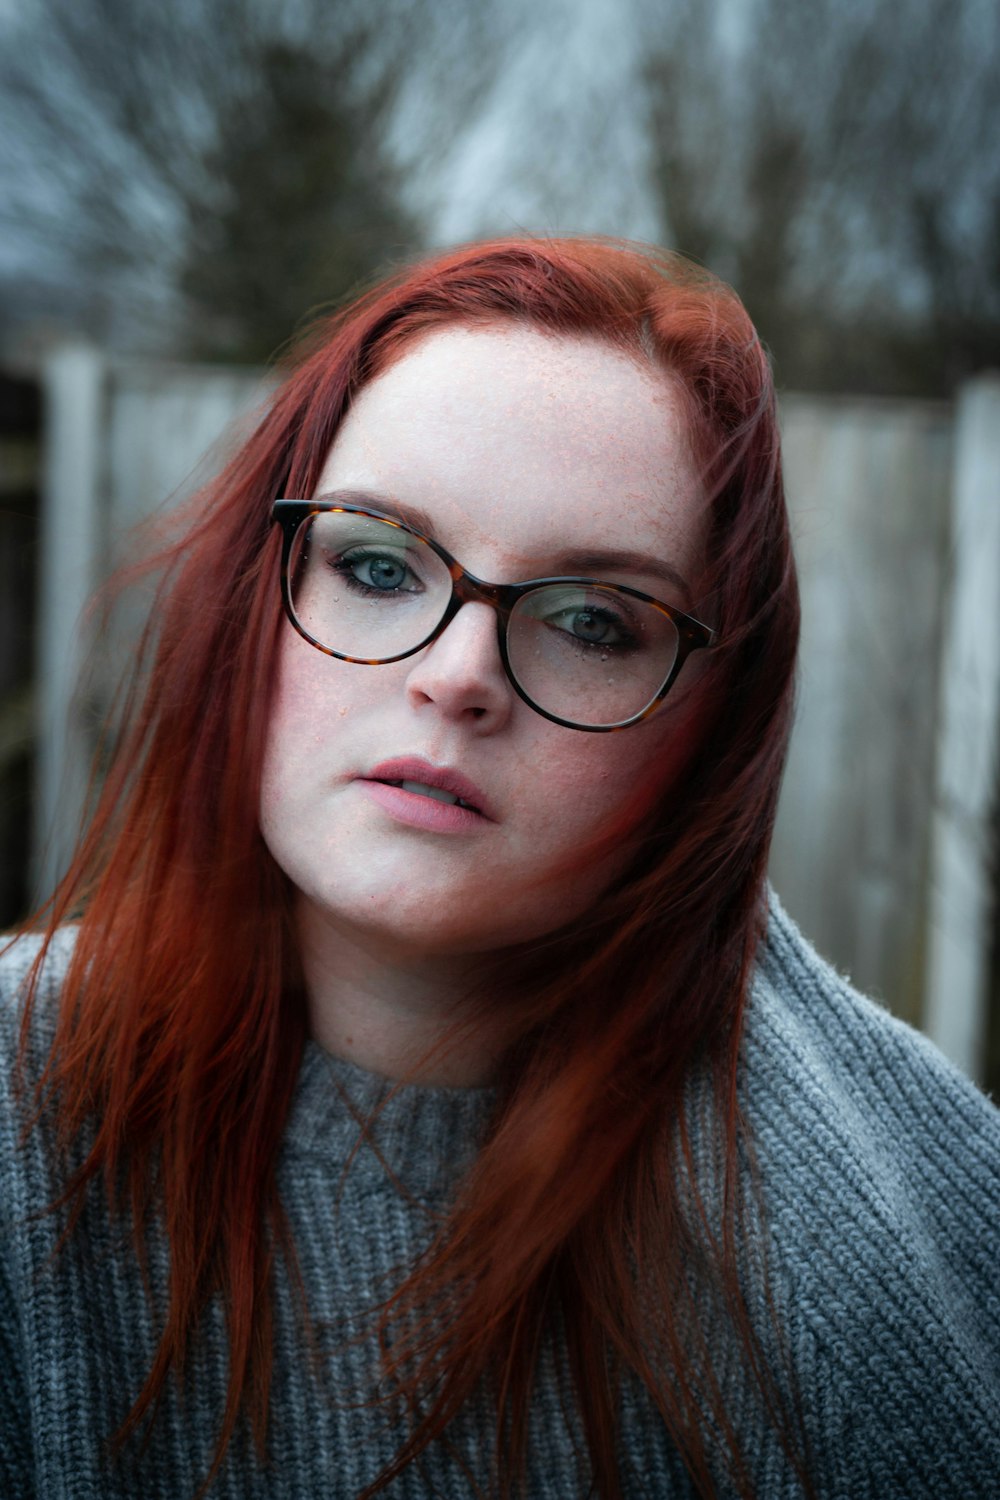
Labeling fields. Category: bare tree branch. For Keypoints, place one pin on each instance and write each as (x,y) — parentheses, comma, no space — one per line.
(842,171)
(198,175)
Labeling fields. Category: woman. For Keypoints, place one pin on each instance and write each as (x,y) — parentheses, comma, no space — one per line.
(420,1092)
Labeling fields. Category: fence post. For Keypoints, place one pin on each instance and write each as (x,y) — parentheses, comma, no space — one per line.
(963,861)
(73,387)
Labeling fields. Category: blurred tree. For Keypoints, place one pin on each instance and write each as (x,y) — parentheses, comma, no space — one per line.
(195,177)
(837,161)
(300,204)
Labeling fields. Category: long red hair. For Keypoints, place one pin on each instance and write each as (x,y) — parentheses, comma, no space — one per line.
(583,1204)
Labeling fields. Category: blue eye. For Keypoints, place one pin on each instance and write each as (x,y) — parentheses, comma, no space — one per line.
(377,572)
(382,572)
(592,627)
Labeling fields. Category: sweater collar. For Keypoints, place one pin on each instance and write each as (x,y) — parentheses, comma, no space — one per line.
(423,1133)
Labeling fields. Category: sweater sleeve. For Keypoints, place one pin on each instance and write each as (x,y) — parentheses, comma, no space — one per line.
(16,1466)
(20,1195)
(880,1165)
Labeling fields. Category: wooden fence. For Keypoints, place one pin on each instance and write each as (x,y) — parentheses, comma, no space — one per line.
(885,845)
(885,849)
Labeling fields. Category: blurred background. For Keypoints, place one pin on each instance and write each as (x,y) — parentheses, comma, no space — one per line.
(182,186)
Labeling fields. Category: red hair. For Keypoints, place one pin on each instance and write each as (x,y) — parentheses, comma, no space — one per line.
(583,1203)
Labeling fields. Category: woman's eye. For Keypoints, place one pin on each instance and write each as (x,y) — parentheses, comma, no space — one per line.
(379,572)
(593,627)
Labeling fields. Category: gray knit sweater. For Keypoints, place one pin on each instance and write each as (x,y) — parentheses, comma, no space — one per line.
(880,1168)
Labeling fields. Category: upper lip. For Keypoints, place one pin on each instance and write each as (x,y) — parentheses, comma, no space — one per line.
(412,768)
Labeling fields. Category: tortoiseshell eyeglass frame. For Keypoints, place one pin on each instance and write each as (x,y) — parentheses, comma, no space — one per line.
(467,589)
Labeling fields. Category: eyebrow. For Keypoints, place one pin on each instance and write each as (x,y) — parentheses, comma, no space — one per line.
(397,510)
(588,562)
(613,560)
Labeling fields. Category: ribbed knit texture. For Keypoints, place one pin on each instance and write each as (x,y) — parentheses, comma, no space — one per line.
(880,1171)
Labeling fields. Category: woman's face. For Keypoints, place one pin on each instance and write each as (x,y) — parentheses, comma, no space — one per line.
(528,455)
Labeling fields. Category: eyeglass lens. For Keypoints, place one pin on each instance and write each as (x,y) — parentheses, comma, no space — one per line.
(586,653)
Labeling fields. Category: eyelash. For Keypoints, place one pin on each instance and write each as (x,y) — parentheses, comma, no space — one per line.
(344,566)
(625,644)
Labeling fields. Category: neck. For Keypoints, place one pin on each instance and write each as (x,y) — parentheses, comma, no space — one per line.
(396,1012)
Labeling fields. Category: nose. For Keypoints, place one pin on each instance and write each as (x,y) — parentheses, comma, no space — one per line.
(461,674)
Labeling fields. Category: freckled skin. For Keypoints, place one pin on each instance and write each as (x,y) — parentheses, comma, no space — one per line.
(518,445)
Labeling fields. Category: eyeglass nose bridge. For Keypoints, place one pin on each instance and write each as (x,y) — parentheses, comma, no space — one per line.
(466,588)
(502,598)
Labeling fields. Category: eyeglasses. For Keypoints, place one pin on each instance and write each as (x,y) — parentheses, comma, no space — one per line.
(365,588)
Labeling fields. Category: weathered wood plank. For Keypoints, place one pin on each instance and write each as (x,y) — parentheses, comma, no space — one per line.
(868,485)
(964,867)
(74,382)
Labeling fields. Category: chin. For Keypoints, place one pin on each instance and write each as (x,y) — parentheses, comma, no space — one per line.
(428,929)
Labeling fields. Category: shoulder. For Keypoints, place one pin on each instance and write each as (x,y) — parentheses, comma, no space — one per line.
(26,1167)
(855,1113)
(18,952)
(879,1165)
(816,1049)
(18,955)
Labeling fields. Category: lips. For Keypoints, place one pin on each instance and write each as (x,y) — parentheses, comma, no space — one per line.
(420,773)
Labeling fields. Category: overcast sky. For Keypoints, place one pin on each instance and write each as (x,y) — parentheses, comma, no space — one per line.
(561,140)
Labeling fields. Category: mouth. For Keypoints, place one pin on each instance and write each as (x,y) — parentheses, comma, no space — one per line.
(438,793)
(437,783)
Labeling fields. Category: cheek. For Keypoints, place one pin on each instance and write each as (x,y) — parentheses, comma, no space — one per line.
(313,695)
(598,794)
(280,773)
(303,711)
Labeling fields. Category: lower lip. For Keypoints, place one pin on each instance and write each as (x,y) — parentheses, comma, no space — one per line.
(422,812)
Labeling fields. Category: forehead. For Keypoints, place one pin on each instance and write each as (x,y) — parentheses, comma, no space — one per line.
(518,443)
